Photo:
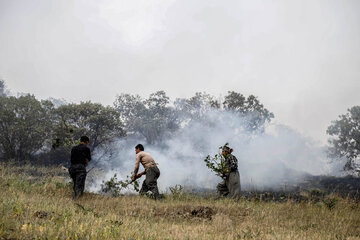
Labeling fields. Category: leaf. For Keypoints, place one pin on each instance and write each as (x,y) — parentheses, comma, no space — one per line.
(217,163)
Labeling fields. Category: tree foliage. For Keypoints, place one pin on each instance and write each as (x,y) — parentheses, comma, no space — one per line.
(252,114)
(25,126)
(345,137)
(155,118)
(114,186)
(196,107)
(152,118)
(2,88)
(101,124)
(250,108)
(29,126)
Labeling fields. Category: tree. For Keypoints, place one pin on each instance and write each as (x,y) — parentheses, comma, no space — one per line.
(25,126)
(2,88)
(101,124)
(234,101)
(152,118)
(345,137)
(196,107)
(159,118)
(250,109)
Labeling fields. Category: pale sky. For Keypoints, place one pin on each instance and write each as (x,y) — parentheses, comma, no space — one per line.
(300,57)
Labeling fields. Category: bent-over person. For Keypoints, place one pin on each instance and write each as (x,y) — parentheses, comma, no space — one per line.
(230,186)
(80,157)
(152,172)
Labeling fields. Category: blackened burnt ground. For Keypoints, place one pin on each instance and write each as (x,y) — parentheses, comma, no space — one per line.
(311,188)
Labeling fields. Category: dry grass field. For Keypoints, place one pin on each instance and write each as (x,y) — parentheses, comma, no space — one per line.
(36,203)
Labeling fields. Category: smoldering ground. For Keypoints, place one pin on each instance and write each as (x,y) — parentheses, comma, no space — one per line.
(277,157)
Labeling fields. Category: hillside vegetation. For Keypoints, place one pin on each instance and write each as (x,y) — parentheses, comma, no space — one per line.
(36,203)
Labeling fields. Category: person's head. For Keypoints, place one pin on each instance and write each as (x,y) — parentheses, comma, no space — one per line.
(139,148)
(226,150)
(85,140)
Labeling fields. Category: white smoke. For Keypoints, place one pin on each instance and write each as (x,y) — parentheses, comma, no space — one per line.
(276,157)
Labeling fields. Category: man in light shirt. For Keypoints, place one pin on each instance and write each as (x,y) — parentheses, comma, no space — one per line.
(151,170)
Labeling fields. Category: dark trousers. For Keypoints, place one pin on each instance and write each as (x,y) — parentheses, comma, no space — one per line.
(78,174)
(150,182)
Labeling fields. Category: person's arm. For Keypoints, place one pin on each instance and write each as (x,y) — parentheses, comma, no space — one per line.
(88,153)
(140,174)
(87,156)
(233,163)
(226,167)
(136,169)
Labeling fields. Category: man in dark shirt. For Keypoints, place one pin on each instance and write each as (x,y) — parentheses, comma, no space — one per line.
(80,157)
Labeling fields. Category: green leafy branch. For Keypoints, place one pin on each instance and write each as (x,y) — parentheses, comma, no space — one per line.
(114,186)
(217,163)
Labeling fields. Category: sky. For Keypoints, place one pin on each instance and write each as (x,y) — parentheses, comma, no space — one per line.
(301,58)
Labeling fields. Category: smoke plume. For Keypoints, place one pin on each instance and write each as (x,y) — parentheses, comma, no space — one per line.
(267,160)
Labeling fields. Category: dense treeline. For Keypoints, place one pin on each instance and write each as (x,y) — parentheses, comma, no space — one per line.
(41,132)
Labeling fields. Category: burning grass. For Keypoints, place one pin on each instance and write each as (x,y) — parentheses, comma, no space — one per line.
(39,206)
